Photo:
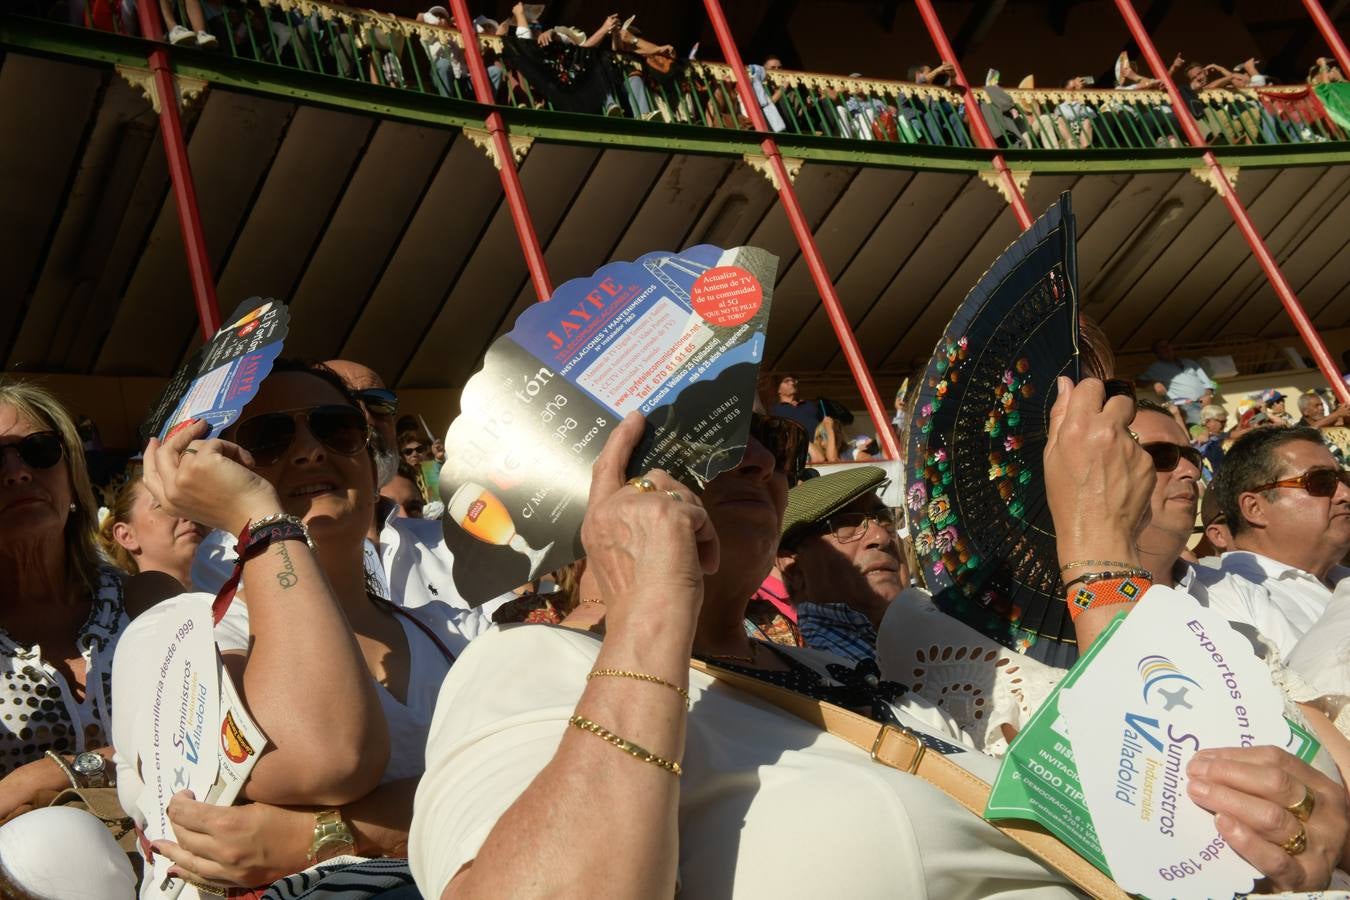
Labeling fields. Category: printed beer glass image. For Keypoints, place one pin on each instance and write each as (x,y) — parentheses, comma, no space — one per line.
(478,511)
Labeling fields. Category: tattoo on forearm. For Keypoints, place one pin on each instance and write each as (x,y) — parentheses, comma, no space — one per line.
(286,577)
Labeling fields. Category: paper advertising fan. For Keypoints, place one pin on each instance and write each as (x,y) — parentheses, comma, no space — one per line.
(225,372)
(677,336)
(975,488)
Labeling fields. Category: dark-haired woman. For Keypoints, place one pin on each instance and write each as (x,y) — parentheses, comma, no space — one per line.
(340,680)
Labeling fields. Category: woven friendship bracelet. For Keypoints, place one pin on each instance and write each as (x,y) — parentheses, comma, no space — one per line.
(1085,563)
(1106,592)
(1090,577)
(625,745)
(640,676)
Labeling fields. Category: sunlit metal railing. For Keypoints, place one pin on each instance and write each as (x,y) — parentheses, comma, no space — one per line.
(362,45)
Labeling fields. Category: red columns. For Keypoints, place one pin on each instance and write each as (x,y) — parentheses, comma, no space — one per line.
(1302,324)
(515,195)
(180,174)
(978,126)
(819,273)
(1329,34)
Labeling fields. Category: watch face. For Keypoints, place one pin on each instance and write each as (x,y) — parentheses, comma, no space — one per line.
(88,764)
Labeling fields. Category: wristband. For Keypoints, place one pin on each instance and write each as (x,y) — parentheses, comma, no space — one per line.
(1090,577)
(1107,592)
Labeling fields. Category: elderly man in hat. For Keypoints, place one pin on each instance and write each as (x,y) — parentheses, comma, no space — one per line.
(841,560)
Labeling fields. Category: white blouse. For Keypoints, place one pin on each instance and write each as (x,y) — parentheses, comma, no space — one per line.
(38,709)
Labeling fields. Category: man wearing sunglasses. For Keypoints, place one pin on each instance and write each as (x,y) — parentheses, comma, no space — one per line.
(840,559)
(380,406)
(1287,504)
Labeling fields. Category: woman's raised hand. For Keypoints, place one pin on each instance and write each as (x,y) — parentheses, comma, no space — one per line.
(209,482)
(648,550)
(1097,478)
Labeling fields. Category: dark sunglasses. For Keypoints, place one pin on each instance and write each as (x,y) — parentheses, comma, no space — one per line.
(378,401)
(338,427)
(1167,457)
(1317,482)
(785,439)
(40,450)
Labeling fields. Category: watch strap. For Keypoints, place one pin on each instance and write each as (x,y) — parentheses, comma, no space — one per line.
(332,837)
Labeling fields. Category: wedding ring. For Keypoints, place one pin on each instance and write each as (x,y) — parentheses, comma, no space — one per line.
(1303,808)
(643,485)
(675,495)
(1298,843)
(1134,435)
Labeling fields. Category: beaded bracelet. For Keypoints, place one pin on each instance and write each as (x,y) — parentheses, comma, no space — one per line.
(625,745)
(1108,591)
(1085,563)
(1089,577)
(641,676)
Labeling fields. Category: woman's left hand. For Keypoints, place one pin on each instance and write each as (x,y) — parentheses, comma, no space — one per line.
(246,846)
(1251,791)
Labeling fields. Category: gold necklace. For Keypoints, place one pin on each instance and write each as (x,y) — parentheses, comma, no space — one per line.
(754,646)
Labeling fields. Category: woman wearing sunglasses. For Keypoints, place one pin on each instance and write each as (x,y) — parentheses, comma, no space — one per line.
(673,780)
(60,619)
(340,680)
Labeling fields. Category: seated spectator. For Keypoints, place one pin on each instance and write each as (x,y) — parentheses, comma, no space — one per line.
(862,448)
(60,623)
(1273,404)
(826,444)
(177,34)
(841,561)
(766,97)
(449,72)
(402,491)
(1179,380)
(413,447)
(1214,420)
(572,76)
(375,668)
(1288,507)
(942,73)
(153,547)
(1217,538)
(771,614)
(1073,117)
(1325,71)
(1313,412)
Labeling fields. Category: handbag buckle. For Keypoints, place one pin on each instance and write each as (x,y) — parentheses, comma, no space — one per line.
(918,748)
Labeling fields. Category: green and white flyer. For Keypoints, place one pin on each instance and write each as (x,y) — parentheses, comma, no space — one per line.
(1102,763)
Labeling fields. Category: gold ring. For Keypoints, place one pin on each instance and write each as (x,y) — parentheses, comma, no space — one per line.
(189,450)
(675,495)
(643,485)
(1298,843)
(1303,808)
(1134,435)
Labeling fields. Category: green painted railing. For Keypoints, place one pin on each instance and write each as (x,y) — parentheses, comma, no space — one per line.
(401,54)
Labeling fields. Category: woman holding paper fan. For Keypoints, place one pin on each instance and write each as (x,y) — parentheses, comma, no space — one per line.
(340,681)
(60,619)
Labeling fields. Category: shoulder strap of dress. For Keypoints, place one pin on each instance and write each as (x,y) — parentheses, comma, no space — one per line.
(901,749)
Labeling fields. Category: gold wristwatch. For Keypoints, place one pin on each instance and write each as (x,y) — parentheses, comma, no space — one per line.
(332,837)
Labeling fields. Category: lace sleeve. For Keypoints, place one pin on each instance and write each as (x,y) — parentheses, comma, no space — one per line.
(989,690)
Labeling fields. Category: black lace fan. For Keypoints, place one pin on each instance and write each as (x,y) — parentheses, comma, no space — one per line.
(976,492)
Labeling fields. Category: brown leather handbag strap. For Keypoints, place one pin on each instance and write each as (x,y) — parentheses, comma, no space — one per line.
(899,749)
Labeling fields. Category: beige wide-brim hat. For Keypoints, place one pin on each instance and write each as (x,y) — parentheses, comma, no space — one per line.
(817,499)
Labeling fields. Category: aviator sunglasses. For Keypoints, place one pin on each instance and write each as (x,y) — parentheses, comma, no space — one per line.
(785,439)
(339,428)
(1167,457)
(40,450)
(378,401)
(1317,482)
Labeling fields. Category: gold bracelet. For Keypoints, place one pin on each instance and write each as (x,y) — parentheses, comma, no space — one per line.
(1084,563)
(641,676)
(625,745)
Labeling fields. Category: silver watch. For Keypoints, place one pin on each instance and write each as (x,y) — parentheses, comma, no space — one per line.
(92,768)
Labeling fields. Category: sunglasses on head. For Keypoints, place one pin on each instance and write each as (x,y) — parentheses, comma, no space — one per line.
(1167,457)
(378,401)
(339,428)
(40,450)
(1317,482)
(785,439)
